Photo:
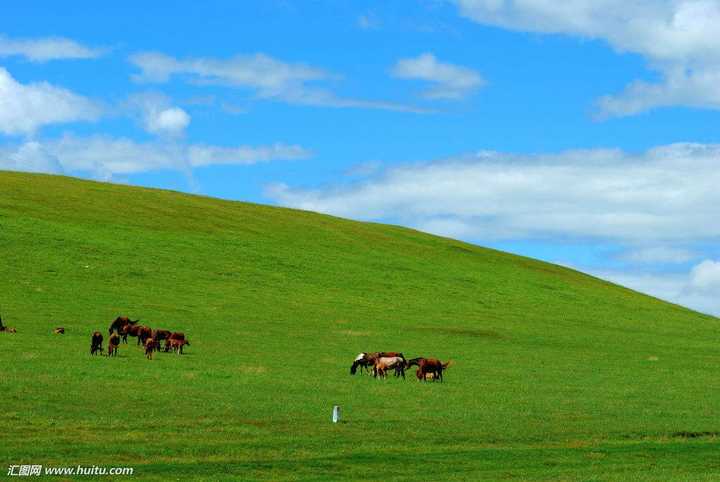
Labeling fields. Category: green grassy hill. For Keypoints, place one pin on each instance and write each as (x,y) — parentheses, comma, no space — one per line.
(556,374)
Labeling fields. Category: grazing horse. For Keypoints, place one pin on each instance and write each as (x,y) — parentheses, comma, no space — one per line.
(176,345)
(143,333)
(96,343)
(366,360)
(429,367)
(385,363)
(113,344)
(59,330)
(119,323)
(176,335)
(150,346)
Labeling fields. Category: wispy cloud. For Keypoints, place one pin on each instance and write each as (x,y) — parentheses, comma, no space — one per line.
(48,48)
(449,81)
(25,108)
(667,193)
(266,77)
(679,38)
(103,157)
(698,288)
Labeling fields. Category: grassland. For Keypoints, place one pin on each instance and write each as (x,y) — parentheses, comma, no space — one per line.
(556,375)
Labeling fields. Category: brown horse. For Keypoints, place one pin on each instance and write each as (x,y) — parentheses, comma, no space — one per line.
(428,367)
(150,346)
(143,333)
(177,345)
(176,335)
(159,335)
(119,323)
(129,330)
(59,330)
(113,344)
(96,343)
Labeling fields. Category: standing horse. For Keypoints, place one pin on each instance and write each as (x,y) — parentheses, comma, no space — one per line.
(120,323)
(113,344)
(385,363)
(366,360)
(96,343)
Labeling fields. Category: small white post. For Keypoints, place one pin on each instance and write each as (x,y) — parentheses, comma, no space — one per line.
(336,413)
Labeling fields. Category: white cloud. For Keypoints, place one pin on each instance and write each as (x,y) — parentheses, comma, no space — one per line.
(451,81)
(678,37)
(665,194)
(104,157)
(24,108)
(658,254)
(706,277)
(699,289)
(44,49)
(267,77)
(158,116)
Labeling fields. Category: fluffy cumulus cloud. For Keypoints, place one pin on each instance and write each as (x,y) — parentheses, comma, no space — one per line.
(103,157)
(24,108)
(44,49)
(158,116)
(267,77)
(667,193)
(706,277)
(449,81)
(679,38)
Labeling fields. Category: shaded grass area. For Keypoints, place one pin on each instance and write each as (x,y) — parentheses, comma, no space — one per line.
(556,375)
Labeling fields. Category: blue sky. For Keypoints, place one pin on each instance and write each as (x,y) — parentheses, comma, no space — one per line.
(579,132)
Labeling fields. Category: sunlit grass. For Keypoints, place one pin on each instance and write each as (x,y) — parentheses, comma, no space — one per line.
(556,375)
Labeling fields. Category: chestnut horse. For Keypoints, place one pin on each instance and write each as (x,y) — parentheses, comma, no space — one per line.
(427,367)
(113,344)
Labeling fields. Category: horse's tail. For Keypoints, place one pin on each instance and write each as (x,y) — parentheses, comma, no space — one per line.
(353,368)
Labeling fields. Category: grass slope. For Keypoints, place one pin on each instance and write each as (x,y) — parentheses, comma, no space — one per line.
(557,375)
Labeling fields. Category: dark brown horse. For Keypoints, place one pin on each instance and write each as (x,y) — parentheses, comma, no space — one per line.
(113,344)
(144,332)
(120,322)
(428,367)
(129,330)
(96,343)
(159,335)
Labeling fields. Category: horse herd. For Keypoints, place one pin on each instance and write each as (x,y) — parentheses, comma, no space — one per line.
(383,361)
(150,339)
